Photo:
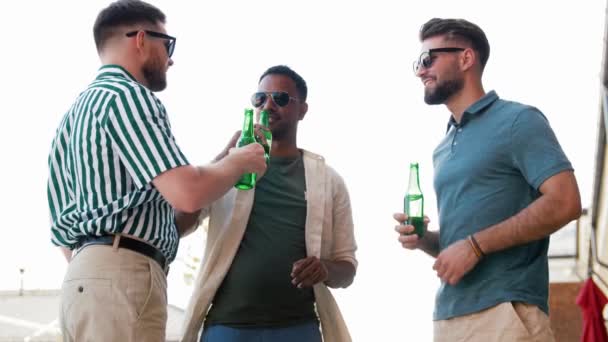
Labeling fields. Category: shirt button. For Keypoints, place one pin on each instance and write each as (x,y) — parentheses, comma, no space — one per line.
(455,143)
(460,130)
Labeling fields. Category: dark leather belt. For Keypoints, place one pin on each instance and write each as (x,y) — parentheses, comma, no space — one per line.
(127,243)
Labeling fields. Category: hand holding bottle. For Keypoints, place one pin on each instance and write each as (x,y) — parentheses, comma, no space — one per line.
(250,158)
(263,133)
(247,180)
(259,133)
(407,238)
(413,203)
(260,136)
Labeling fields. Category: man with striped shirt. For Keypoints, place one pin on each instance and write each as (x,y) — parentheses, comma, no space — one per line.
(120,190)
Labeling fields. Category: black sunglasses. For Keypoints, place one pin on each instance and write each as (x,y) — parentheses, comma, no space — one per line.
(169,41)
(426,58)
(280,98)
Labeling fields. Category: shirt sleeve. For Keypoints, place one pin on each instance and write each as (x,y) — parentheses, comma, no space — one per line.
(344,244)
(534,148)
(139,129)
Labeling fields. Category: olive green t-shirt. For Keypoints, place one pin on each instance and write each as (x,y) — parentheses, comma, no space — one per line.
(257,290)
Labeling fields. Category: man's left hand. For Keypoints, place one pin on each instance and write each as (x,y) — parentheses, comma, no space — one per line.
(308,272)
(455,261)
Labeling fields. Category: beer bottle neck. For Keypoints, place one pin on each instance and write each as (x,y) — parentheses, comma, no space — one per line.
(414,185)
(264,118)
(248,124)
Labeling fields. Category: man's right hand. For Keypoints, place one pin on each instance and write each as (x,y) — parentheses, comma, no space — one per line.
(189,188)
(249,158)
(407,238)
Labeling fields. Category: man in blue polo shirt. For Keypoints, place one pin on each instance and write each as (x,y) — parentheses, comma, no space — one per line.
(503,185)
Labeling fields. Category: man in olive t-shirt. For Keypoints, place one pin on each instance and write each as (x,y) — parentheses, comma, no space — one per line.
(273,251)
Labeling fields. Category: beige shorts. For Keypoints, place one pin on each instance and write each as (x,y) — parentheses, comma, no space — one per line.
(505,322)
(111,294)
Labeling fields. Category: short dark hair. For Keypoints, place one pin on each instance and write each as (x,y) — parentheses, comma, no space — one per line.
(287,71)
(122,13)
(455,29)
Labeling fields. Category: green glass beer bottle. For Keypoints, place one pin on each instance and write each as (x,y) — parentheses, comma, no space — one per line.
(267,134)
(413,203)
(247,180)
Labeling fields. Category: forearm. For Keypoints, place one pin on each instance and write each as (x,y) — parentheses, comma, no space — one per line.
(220,156)
(186,222)
(540,219)
(190,188)
(430,243)
(339,273)
(214,180)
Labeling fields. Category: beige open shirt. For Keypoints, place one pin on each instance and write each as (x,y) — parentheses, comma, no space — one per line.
(329,235)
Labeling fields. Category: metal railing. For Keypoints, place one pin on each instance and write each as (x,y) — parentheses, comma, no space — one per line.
(596,260)
(599,173)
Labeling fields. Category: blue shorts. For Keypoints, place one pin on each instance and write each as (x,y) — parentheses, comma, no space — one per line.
(305,332)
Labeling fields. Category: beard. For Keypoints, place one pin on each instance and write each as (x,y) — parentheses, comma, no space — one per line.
(443,91)
(278,132)
(155,74)
(283,130)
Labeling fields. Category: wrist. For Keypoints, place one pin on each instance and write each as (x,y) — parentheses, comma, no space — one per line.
(475,246)
(235,163)
(425,242)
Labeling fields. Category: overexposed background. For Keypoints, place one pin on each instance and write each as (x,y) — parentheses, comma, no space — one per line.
(366,114)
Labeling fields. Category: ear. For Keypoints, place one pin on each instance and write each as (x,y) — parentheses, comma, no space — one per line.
(468,60)
(140,41)
(303,110)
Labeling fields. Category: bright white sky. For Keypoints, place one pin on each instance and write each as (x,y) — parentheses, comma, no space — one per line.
(366,115)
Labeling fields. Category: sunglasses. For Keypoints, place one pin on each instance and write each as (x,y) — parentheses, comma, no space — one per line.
(427,59)
(169,41)
(280,98)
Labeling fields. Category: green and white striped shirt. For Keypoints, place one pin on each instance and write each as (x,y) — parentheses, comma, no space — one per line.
(109,146)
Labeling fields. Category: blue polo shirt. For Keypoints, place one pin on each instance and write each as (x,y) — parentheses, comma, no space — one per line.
(487,168)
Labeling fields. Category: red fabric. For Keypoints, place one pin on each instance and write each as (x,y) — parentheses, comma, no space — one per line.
(592,300)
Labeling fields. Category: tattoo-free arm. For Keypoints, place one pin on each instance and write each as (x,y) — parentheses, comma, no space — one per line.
(430,243)
(190,188)
(187,222)
(339,273)
(559,204)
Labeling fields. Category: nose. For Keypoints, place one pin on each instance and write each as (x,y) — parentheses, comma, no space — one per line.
(421,71)
(170,62)
(269,104)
